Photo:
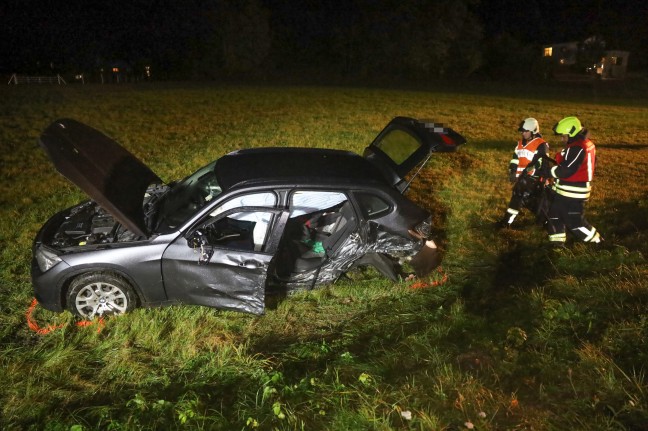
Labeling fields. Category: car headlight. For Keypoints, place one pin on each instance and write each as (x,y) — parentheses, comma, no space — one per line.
(46,259)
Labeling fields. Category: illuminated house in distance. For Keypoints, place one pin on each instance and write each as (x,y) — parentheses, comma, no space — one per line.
(566,58)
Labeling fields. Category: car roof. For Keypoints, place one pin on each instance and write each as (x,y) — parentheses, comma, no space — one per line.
(304,166)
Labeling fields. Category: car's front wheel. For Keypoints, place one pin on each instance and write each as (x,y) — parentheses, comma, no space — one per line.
(100,294)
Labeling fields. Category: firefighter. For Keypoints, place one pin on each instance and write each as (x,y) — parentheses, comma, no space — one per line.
(573,174)
(527,157)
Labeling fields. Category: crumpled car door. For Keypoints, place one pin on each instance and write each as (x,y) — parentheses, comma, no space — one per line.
(224,271)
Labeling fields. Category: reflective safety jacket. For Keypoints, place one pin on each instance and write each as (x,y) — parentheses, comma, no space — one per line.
(526,153)
(575,169)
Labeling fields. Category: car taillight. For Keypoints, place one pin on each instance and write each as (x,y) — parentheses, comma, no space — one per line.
(422,230)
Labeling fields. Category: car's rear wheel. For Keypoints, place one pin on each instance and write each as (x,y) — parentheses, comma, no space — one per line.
(98,294)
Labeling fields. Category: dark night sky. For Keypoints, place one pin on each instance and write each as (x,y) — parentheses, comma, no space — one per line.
(84,31)
(548,21)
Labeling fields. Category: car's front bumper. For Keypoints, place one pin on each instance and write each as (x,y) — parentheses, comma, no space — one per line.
(47,285)
(47,289)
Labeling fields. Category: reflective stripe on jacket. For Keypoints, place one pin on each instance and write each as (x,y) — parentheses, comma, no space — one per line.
(575,169)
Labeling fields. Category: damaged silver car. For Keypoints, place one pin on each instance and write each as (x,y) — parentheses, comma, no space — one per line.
(253,223)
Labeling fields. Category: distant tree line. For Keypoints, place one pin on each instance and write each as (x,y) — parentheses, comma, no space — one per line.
(356,39)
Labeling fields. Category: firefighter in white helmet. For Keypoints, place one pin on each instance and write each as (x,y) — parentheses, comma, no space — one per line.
(527,157)
(572,186)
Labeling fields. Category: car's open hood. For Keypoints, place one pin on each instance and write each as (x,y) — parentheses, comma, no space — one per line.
(102,168)
(406,143)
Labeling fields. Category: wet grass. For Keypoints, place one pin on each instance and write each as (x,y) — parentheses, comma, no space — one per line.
(519,337)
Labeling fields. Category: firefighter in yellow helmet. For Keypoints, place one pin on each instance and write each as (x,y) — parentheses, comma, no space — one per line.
(572,186)
(527,157)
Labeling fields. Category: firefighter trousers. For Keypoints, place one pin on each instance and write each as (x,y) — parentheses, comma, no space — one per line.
(568,214)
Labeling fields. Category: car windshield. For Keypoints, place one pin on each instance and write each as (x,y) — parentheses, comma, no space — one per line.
(187,197)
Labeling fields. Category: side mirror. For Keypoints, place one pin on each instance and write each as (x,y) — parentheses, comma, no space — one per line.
(197,240)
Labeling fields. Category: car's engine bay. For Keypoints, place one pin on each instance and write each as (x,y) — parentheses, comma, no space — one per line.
(88,223)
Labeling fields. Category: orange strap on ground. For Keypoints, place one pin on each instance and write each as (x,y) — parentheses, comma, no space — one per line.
(99,322)
(426,284)
(34,326)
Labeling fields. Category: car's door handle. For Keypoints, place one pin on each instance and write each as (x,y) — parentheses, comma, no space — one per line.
(251,264)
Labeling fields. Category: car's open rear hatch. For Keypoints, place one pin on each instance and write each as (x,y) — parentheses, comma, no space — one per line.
(406,143)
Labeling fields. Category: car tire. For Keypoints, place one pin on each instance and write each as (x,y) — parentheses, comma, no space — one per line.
(99,294)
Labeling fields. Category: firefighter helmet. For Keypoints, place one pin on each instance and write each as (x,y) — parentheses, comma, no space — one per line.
(529,125)
(568,126)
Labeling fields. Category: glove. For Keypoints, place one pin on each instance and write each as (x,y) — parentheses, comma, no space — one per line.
(512,177)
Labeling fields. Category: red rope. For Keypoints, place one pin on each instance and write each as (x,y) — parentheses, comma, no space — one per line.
(433,283)
(34,326)
(99,322)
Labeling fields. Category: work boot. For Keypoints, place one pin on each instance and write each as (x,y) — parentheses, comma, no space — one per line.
(504,223)
(599,242)
(598,239)
(507,219)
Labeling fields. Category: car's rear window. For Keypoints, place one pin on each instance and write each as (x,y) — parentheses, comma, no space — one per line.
(398,145)
(371,205)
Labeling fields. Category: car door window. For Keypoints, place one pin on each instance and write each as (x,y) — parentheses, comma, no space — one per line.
(244,230)
(314,216)
(371,205)
(264,199)
(306,202)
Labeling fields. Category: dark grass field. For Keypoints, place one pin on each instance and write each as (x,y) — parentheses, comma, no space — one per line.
(517,337)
